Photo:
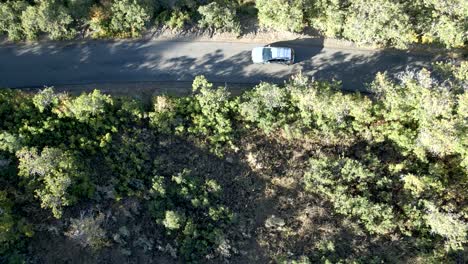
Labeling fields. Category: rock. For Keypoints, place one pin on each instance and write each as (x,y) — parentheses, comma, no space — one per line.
(274,222)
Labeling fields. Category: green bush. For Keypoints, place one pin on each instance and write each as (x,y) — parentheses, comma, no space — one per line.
(189,209)
(374,194)
(266,105)
(128,18)
(129,160)
(50,17)
(177,20)
(327,16)
(420,116)
(8,232)
(208,115)
(219,17)
(354,191)
(379,21)
(324,111)
(10,19)
(56,177)
(281,14)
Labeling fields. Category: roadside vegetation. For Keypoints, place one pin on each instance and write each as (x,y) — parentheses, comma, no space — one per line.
(382,22)
(299,172)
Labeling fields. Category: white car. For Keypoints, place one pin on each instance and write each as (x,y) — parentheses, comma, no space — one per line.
(269,54)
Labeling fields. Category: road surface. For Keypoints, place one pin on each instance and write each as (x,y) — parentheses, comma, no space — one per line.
(95,62)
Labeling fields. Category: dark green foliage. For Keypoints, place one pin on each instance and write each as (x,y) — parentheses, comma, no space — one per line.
(129,161)
(8,234)
(207,115)
(189,209)
(389,199)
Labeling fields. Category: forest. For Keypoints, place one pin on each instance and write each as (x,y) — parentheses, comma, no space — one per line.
(388,23)
(295,173)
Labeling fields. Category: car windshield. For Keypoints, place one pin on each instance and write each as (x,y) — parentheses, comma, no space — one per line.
(266,54)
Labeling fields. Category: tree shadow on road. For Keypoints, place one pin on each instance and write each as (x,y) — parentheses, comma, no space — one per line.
(126,61)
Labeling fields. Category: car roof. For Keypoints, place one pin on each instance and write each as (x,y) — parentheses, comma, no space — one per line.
(281,53)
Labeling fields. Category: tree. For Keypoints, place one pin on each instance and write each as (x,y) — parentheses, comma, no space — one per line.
(86,107)
(210,114)
(327,16)
(8,232)
(380,21)
(219,17)
(128,18)
(281,14)
(79,9)
(266,106)
(419,114)
(45,99)
(10,19)
(48,16)
(354,190)
(441,21)
(56,176)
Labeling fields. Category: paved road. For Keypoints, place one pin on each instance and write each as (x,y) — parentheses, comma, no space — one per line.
(64,63)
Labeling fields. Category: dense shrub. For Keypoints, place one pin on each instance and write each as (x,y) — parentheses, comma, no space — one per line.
(266,105)
(174,20)
(281,14)
(49,17)
(10,19)
(128,18)
(383,22)
(220,17)
(327,16)
(56,177)
(189,209)
(208,115)
(391,23)
(422,115)
(8,232)
(304,107)
(386,200)
(355,191)
(379,21)
(129,161)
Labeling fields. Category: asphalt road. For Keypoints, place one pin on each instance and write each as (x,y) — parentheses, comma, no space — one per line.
(75,63)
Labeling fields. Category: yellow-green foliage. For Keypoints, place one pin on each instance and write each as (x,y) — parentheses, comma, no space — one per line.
(281,14)
(55,176)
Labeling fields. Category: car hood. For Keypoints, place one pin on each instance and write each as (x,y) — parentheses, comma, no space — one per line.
(257,55)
